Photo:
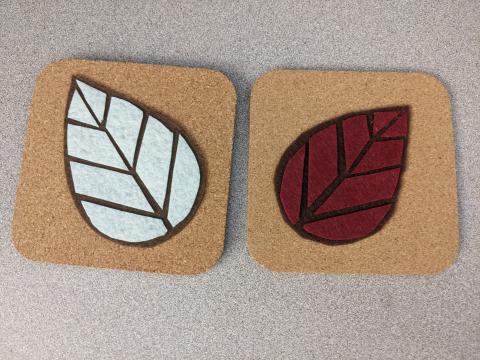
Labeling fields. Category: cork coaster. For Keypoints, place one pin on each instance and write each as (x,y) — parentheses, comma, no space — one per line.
(126,166)
(352,172)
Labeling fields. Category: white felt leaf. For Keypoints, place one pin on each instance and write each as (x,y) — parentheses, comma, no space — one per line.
(134,178)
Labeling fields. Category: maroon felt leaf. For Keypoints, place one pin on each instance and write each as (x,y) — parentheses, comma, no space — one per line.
(338,182)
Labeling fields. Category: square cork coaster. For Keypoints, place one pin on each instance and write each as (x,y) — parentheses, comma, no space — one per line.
(421,237)
(47,224)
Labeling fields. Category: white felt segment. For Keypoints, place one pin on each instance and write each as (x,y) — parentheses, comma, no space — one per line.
(92,145)
(185,183)
(154,158)
(108,185)
(123,121)
(79,111)
(123,225)
(95,99)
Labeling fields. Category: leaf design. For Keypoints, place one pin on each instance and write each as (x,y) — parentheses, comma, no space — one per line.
(338,182)
(133,174)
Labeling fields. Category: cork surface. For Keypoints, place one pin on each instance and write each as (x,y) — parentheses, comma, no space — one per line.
(421,237)
(47,225)
(238,309)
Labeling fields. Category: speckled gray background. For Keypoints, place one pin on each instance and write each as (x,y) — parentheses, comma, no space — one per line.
(238,310)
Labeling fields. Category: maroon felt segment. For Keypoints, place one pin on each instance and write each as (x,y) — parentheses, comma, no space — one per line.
(381,154)
(291,190)
(338,181)
(322,161)
(355,135)
(350,226)
(399,128)
(360,190)
(381,119)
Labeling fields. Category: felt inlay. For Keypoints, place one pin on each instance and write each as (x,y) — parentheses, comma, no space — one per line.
(345,171)
(123,225)
(94,97)
(107,185)
(133,175)
(123,122)
(185,183)
(153,163)
(92,145)
(79,111)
